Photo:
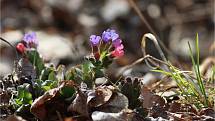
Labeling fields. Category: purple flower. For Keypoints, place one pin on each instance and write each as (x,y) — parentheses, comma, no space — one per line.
(117,43)
(95,40)
(30,39)
(109,34)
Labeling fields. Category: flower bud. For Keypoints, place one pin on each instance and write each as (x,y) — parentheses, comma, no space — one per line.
(20,47)
(96,55)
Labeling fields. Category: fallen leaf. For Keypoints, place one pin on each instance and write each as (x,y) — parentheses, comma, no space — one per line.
(149,99)
(207,112)
(40,107)
(158,111)
(117,102)
(99,97)
(178,107)
(79,104)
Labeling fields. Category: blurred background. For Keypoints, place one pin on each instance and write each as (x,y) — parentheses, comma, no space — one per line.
(63,27)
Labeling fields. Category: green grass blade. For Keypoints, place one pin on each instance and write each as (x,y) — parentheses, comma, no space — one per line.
(196,68)
(162,71)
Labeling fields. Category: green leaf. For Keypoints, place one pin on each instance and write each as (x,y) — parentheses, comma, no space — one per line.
(38,91)
(87,67)
(67,91)
(162,71)
(45,73)
(103,55)
(24,96)
(36,60)
(49,84)
(99,72)
(70,74)
(78,75)
(74,74)
(52,76)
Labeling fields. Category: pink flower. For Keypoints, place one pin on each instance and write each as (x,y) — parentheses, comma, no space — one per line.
(117,43)
(118,52)
(20,47)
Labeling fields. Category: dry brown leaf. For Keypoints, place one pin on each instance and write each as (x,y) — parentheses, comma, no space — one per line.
(117,102)
(39,108)
(207,112)
(79,104)
(99,97)
(178,107)
(149,99)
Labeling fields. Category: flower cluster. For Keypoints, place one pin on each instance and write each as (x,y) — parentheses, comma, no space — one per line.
(29,41)
(108,42)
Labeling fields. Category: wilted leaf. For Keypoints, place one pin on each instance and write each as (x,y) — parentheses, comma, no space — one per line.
(178,107)
(39,108)
(207,112)
(99,97)
(149,99)
(158,111)
(117,102)
(79,104)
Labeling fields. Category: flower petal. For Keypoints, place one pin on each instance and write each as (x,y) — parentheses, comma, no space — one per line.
(109,34)
(95,40)
(30,39)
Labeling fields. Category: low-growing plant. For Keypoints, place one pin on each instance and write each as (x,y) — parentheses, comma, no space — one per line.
(44,78)
(104,50)
(38,85)
(192,88)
